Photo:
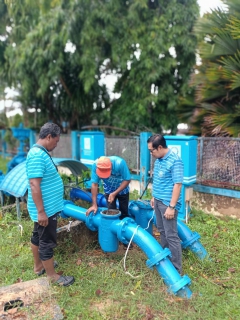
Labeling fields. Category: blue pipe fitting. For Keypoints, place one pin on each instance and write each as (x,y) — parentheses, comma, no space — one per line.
(158,257)
(62,214)
(107,239)
(122,228)
(111,229)
(194,237)
(142,213)
(190,240)
(179,285)
(90,222)
(77,193)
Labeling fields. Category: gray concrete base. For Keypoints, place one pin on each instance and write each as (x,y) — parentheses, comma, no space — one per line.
(29,300)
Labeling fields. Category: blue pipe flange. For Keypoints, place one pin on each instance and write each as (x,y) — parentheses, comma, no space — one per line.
(62,215)
(184,281)
(158,257)
(122,229)
(89,222)
(194,237)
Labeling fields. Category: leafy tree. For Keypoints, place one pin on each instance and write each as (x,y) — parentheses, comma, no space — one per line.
(217,81)
(151,48)
(149,45)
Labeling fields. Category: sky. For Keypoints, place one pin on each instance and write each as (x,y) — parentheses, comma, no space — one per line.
(14,107)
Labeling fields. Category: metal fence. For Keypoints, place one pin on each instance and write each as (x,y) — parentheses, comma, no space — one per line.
(218,163)
(218,159)
(128,148)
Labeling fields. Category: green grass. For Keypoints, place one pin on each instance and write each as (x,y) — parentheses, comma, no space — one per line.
(3,164)
(103,291)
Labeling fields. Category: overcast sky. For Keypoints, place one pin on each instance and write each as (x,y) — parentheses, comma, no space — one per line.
(205,6)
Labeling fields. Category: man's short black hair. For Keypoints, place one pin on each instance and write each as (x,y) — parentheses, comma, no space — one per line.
(157,140)
(49,128)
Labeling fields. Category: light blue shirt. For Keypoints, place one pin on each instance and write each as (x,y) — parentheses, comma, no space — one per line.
(167,171)
(40,165)
(119,173)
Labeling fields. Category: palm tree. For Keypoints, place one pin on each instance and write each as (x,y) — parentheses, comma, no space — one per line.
(216,107)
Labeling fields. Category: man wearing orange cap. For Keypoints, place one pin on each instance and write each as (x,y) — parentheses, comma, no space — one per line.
(114,173)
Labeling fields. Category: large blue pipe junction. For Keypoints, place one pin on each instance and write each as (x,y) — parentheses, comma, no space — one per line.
(143,214)
(111,230)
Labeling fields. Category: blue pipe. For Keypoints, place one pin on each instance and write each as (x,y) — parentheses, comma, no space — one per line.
(111,229)
(142,212)
(190,240)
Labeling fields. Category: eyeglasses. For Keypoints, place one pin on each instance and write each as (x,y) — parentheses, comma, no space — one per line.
(151,150)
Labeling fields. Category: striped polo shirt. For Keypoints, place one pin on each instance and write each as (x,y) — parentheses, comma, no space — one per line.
(119,173)
(40,165)
(167,171)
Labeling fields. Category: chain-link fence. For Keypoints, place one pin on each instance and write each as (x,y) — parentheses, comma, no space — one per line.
(218,162)
(127,148)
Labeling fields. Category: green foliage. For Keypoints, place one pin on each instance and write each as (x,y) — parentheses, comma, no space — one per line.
(15,121)
(128,39)
(9,138)
(3,164)
(217,81)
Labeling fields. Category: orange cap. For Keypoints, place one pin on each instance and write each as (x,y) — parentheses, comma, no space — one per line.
(104,167)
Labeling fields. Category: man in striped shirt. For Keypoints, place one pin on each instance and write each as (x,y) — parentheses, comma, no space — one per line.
(166,200)
(45,201)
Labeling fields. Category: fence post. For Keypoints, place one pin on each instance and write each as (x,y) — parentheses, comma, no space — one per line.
(144,160)
(32,138)
(4,144)
(75,145)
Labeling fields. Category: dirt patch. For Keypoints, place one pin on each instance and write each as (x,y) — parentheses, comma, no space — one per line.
(110,212)
(102,306)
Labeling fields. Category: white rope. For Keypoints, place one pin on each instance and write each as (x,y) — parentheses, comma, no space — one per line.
(129,244)
(69,226)
(21,229)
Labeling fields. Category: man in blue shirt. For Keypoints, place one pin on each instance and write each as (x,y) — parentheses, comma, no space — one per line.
(116,177)
(45,201)
(166,201)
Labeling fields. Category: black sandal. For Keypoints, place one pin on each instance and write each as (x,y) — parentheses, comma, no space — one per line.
(40,273)
(65,281)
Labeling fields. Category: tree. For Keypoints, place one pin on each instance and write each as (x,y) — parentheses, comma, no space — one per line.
(149,45)
(151,48)
(217,82)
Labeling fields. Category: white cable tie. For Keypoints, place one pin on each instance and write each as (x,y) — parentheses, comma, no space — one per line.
(69,226)
(21,229)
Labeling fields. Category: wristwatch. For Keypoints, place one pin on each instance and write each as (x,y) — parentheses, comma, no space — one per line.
(171,207)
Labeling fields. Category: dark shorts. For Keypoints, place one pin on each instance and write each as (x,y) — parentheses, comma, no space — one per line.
(123,204)
(45,238)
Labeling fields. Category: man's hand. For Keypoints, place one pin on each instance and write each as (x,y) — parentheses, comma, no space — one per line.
(42,219)
(111,197)
(92,208)
(152,202)
(169,213)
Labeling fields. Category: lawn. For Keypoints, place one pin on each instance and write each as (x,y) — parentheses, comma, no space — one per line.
(103,291)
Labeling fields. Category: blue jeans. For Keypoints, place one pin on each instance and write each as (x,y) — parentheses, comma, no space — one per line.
(168,234)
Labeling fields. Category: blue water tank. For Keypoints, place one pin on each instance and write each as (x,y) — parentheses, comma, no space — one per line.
(186,148)
(91,146)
